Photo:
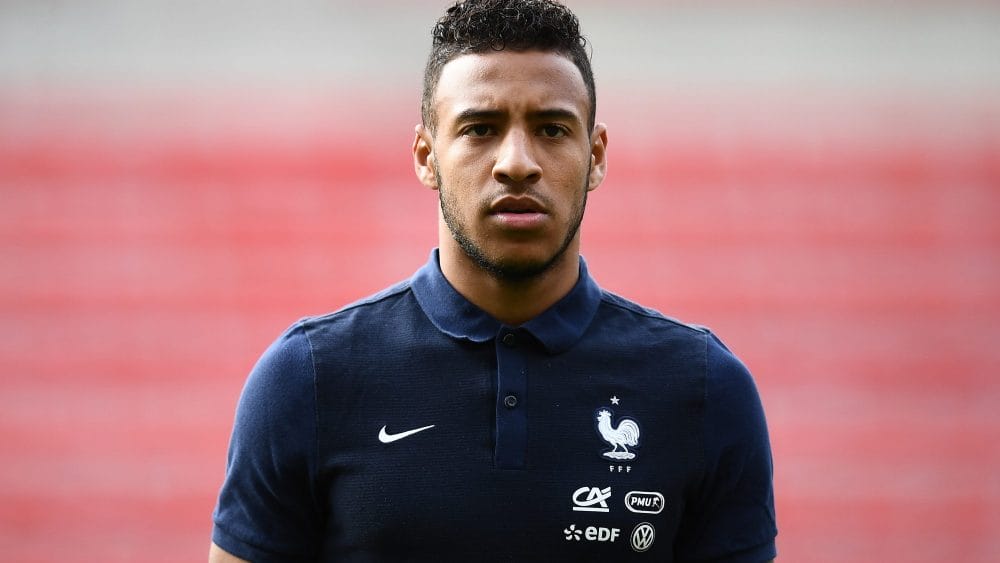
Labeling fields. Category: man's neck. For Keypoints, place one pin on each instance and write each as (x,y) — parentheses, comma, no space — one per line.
(510,302)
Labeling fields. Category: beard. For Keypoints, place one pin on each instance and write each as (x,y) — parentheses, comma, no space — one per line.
(499,267)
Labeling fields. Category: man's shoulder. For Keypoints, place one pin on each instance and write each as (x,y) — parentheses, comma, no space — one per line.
(645,317)
(371,306)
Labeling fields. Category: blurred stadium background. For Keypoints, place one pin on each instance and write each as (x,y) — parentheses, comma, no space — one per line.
(817,181)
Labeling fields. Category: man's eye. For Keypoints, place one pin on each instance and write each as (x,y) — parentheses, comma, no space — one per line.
(553,131)
(478,130)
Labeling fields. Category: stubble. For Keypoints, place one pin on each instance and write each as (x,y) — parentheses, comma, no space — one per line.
(499,267)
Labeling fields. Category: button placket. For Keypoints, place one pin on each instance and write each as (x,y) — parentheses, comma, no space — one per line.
(511,415)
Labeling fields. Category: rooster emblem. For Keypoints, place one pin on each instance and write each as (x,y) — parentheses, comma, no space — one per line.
(625,434)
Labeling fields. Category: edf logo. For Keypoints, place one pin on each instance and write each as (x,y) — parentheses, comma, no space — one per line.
(592,533)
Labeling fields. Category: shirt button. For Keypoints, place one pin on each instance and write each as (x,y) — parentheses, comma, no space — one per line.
(510,401)
(509,339)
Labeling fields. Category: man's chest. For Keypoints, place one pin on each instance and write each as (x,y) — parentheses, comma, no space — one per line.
(577,460)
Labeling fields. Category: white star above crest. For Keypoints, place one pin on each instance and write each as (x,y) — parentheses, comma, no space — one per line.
(614,400)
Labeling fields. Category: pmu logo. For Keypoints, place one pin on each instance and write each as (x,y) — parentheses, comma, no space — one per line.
(591,499)
(644,502)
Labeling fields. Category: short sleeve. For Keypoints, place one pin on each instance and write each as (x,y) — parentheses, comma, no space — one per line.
(267,509)
(730,515)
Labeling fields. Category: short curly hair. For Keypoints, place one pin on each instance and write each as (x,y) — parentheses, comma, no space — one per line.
(478,26)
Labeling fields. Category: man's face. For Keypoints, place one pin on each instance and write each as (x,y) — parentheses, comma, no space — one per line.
(513,159)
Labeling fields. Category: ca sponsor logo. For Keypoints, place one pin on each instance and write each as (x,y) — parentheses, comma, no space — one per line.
(642,537)
(591,499)
(644,502)
(592,533)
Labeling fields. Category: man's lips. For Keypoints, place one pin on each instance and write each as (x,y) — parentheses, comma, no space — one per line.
(517,205)
(518,212)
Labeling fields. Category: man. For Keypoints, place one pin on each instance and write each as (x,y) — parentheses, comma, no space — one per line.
(498,405)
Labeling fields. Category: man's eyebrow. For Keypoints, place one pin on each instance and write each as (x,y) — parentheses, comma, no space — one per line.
(473,114)
(555,114)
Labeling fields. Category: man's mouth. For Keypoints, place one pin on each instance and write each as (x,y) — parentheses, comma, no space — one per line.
(519,213)
(517,206)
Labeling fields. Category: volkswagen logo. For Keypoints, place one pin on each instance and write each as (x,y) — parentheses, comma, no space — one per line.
(642,537)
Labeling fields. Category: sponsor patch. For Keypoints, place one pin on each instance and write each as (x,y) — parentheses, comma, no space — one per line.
(644,502)
(642,537)
(591,499)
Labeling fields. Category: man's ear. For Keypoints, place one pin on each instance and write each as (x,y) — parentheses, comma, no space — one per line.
(423,157)
(598,156)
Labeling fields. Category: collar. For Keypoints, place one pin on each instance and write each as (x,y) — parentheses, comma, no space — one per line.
(558,328)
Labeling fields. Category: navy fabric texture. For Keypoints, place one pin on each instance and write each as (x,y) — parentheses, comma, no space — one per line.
(412,426)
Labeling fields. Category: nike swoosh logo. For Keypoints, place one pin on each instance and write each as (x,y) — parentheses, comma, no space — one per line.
(387,438)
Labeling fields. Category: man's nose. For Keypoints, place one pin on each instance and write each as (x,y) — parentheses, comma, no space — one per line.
(516,162)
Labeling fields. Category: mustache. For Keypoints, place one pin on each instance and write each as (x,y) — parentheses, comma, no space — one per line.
(485,203)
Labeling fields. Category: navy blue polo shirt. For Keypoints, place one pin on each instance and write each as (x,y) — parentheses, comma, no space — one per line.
(413,426)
